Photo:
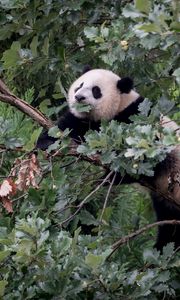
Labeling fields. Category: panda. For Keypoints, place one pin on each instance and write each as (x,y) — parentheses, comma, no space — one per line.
(113,98)
(109,96)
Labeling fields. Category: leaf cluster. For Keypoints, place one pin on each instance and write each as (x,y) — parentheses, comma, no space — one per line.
(134,148)
(45,265)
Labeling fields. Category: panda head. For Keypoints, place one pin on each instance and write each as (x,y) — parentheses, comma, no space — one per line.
(104,91)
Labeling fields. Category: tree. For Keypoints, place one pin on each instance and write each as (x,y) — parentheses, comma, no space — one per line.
(44,253)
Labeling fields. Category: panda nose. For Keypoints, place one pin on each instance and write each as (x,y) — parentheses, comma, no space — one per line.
(79,98)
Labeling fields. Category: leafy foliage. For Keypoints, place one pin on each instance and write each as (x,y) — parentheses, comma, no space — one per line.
(131,149)
(44,253)
(46,266)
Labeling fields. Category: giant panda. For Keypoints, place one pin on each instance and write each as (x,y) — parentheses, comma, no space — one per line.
(113,98)
(109,96)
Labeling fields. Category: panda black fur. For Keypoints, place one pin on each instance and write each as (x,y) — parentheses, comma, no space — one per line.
(114,98)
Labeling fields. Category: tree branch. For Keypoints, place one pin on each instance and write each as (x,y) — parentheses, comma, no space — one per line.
(132,235)
(106,199)
(7,97)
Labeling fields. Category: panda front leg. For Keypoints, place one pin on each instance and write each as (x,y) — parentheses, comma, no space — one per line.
(78,128)
(166,233)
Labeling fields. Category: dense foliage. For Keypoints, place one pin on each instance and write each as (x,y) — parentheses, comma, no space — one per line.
(44,253)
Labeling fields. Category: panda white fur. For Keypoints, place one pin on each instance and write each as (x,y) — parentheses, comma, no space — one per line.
(111,97)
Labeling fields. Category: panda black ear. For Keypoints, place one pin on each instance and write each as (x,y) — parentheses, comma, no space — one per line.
(86,69)
(125,85)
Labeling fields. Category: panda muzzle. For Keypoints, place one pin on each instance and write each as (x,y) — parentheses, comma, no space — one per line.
(79,98)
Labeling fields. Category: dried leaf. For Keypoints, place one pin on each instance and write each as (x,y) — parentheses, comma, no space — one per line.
(29,170)
(7,188)
(7,203)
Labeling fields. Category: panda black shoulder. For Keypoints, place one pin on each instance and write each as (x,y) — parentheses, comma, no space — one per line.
(130,110)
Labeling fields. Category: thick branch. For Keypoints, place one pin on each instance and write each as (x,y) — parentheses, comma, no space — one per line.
(7,97)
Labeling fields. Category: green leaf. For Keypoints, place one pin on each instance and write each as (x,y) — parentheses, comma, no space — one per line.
(143,5)
(3,284)
(75,240)
(143,144)
(105,32)
(54,132)
(34,45)
(6,31)
(25,229)
(164,276)
(83,149)
(53,146)
(82,107)
(45,48)
(32,141)
(169,139)
(131,140)
(175,26)
(165,105)
(144,107)
(44,106)
(44,236)
(65,242)
(176,73)
(87,218)
(94,261)
(151,256)
(131,12)
(91,32)
(151,41)
(12,143)
(168,251)
(11,57)
(4,254)
(151,27)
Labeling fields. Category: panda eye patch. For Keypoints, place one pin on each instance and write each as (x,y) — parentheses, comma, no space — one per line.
(96,91)
(79,87)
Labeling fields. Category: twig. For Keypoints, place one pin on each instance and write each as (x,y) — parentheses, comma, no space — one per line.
(175,251)
(2,159)
(85,199)
(132,235)
(107,196)
(95,159)
(20,197)
(61,210)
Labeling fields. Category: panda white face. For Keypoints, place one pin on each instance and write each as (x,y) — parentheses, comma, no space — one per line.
(83,93)
(98,88)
